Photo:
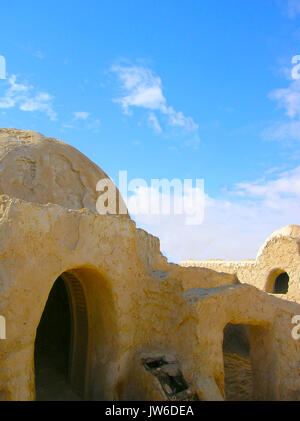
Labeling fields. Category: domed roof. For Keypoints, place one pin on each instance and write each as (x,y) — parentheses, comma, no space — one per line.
(44,170)
(286,231)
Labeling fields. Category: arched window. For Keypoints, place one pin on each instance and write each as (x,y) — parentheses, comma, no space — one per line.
(278,282)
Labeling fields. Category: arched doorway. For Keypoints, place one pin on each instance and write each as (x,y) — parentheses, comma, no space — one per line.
(61,344)
(278,282)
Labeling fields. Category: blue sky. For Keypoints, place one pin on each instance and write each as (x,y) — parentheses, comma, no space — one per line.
(174,89)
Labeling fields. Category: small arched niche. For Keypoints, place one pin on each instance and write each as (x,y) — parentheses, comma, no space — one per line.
(277,282)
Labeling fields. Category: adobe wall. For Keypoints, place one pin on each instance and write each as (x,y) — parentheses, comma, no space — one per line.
(140,308)
(133,315)
(274,353)
(279,253)
(190,277)
(242,269)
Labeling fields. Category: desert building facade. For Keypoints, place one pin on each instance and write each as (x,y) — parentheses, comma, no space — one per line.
(94,311)
(275,270)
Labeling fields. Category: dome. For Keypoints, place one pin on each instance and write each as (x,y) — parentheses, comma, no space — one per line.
(44,170)
(286,231)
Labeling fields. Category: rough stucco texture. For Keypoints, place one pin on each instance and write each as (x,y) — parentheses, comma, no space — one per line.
(139,306)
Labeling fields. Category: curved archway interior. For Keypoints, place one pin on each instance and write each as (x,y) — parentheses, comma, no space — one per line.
(61,345)
(78,363)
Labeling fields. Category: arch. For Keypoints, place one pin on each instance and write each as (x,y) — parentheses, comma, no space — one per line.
(94,328)
(277,282)
(66,348)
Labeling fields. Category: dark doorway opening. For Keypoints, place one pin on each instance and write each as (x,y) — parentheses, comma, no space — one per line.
(238,373)
(281,284)
(53,347)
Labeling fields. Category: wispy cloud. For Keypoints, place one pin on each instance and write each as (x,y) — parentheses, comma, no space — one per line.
(142,88)
(154,123)
(39,54)
(81,115)
(26,98)
(235,225)
(273,193)
(287,128)
(287,99)
(82,120)
(282,131)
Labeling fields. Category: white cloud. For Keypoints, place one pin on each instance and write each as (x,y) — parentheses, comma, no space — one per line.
(41,102)
(14,93)
(235,225)
(82,120)
(288,99)
(274,194)
(23,96)
(81,115)
(282,131)
(176,118)
(94,125)
(144,89)
(154,123)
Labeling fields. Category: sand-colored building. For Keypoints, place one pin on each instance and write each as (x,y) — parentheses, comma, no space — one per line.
(275,270)
(94,311)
